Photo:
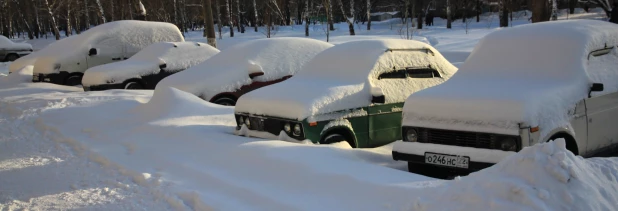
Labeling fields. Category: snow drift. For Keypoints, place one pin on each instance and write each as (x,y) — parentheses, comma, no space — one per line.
(343,76)
(529,74)
(542,177)
(177,56)
(229,70)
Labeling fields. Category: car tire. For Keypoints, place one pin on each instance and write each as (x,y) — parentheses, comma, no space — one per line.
(225,101)
(336,138)
(11,57)
(133,85)
(73,80)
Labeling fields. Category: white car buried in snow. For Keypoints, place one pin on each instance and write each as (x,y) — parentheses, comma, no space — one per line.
(146,68)
(520,86)
(351,92)
(65,63)
(244,67)
(10,51)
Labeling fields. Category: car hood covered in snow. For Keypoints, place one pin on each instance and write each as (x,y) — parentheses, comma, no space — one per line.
(176,56)
(342,78)
(532,74)
(229,70)
(6,44)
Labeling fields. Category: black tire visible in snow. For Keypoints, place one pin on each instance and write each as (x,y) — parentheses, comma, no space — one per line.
(73,80)
(11,57)
(226,101)
(133,85)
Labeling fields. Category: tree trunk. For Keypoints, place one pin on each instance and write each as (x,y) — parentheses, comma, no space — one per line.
(86,15)
(219,23)
(572,4)
(299,15)
(268,21)
(26,24)
(255,12)
(229,17)
(448,14)
(112,14)
(330,15)
(209,27)
(286,7)
(68,30)
(327,5)
(52,19)
(100,11)
(540,11)
(368,15)
(348,19)
(240,24)
(37,22)
(419,19)
(306,18)
(504,14)
(478,10)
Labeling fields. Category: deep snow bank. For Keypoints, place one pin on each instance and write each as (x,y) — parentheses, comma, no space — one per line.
(543,177)
(170,102)
(22,75)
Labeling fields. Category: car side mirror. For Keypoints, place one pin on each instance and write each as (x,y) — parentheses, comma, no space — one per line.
(377,96)
(92,52)
(596,87)
(255,70)
(162,66)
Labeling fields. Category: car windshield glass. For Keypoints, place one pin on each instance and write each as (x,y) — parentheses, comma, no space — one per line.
(397,74)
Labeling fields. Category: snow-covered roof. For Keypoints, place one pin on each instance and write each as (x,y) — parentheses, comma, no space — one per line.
(529,74)
(342,77)
(229,70)
(128,36)
(176,55)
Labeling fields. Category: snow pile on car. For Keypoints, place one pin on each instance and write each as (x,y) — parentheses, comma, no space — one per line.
(229,70)
(343,76)
(53,48)
(7,44)
(542,177)
(533,73)
(170,102)
(177,56)
(129,36)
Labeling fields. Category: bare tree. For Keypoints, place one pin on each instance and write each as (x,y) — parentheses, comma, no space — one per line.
(448,14)
(229,17)
(209,28)
(255,12)
(219,23)
(100,10)
(349,18)
(368,15)
(540,11)
(52,19)
(306,18)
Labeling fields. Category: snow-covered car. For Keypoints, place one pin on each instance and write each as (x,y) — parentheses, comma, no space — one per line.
(351,92)
(110,42)
(520,86)
(244,67)
(145,69)
(10,51)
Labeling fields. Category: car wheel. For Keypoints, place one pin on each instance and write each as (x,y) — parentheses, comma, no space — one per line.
(11,57)
(226,101)
(133,85)
(336,138)
(73,80)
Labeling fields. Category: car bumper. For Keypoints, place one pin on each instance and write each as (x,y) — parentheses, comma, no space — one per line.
(479,158)
(102,87)
(55,78)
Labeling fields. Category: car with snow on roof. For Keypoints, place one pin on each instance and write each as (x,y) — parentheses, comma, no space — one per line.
(145,69)
(244,67)
(110,42)
(352,92)
(11,51)
(520,86)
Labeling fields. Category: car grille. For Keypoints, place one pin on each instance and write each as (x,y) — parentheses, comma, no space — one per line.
(458,138)
(271,125)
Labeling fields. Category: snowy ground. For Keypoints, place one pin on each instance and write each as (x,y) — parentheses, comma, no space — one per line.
(61,148)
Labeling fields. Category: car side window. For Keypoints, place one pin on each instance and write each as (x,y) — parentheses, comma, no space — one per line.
(395,74)
(422,73)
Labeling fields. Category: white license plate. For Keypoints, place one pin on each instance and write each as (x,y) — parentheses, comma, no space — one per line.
(447,160)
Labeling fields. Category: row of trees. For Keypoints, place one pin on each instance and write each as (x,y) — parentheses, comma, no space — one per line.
(36,18)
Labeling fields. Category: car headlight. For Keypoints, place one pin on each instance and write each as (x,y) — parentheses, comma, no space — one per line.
(287,128)
(411,135)
(248,122)
(508,144)
(297,130)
